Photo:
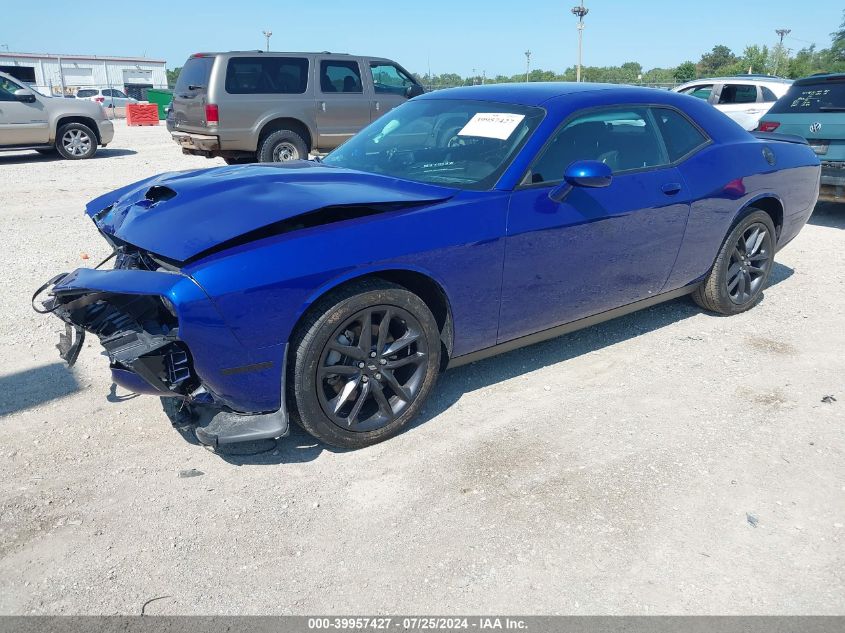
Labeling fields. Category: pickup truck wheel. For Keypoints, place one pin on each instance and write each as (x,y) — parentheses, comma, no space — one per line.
(736,281)
(363,364)
(76,141)
(281,146)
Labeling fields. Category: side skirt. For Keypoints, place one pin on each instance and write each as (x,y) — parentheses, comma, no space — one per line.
(566,328)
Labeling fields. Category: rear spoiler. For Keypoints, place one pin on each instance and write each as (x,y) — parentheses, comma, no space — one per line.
(774,136)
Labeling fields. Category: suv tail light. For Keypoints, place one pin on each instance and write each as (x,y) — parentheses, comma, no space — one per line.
(212,114)
(768,126)
(99,99)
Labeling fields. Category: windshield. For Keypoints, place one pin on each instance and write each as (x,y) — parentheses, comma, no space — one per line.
(812,98)
(464,144)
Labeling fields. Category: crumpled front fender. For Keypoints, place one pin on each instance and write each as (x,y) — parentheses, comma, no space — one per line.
(245,380)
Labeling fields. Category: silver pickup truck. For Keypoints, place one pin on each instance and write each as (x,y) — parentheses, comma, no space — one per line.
(29,120)
(270,107)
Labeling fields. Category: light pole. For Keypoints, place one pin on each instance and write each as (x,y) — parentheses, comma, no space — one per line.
(267,35)
(580,11)
(527,64)
(781,33)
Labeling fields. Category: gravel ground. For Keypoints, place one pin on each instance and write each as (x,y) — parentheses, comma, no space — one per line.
(667,462)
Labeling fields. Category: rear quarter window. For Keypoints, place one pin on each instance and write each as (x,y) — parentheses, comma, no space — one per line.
(195,73)
(681,136)
(812,98)
(267,75)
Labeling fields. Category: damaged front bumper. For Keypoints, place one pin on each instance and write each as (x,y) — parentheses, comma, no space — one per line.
(163,337)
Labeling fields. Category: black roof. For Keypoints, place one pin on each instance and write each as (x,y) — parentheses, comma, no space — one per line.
(820,78)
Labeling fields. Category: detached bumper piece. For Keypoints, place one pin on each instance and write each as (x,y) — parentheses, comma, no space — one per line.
(216,428)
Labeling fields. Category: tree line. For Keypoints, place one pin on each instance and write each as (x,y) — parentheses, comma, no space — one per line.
(719,61)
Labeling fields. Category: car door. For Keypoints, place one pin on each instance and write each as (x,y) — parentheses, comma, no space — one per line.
(119,99)
(343,101)
(21,123)
(600,248)
(741,102)
(390,86)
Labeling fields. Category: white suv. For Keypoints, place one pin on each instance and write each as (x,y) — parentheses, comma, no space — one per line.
(107,97)
(744,98)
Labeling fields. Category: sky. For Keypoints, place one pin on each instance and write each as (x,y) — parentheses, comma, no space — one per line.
(443,35)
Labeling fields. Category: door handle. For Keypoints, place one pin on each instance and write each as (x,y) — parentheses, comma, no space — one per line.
(323,106)
(671,188)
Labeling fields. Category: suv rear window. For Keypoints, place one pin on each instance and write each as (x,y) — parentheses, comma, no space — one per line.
(86,93)
(824,96)
(195,72)
(267,75)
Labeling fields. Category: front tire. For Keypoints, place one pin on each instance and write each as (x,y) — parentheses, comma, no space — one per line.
(742,268)
(75,141)
(282,146)
(363,364)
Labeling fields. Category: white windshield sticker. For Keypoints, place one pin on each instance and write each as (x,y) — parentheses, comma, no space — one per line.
(498,125)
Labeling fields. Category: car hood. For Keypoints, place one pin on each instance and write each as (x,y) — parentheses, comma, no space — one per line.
(182,215)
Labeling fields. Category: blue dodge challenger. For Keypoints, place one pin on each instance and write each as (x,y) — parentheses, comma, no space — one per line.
(462,224)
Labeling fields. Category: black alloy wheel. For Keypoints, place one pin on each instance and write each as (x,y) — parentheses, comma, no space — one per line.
(736,281)
(749,263)
(372,368)
(362,363)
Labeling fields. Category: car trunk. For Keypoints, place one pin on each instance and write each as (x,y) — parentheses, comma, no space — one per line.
(190,96)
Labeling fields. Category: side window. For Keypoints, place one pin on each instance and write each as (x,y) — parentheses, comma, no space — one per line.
(266,75)
(108,92)
(622,138)
(679,134)
(340,76)
(118,94)
(738,93)
(7,89)
(388,79)
(700,91)
(86,93)
(768,95)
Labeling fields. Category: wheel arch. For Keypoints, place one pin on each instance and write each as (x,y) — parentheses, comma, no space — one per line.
(768,202)
(422,283)
(285,123)
(84,120)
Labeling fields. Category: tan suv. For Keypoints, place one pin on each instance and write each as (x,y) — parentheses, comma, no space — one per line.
(30,120)
(247,106)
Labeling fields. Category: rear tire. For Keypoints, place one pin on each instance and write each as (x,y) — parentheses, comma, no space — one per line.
(363,364)
(742,267)
(75,141)
(282,146)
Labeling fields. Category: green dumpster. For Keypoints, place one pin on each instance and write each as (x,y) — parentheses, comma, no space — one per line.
(162,98)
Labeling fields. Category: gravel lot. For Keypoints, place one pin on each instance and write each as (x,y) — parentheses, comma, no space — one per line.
(667,462)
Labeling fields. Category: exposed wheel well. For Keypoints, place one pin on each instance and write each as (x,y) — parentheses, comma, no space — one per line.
(426,289)
(91,123)
(773,207)
(285,124)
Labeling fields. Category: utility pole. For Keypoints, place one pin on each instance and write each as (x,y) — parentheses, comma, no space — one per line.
(527,64)
(580,11)
(781,33)
(267,35)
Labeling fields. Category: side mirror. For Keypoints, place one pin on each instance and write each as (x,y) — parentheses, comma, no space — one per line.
(24,96)
(582,173)
(414,91)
